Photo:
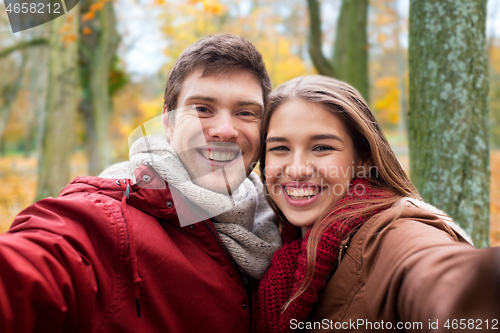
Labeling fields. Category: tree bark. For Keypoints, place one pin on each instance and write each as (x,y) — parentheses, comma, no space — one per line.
(449,155)
(351,45)
(58,137)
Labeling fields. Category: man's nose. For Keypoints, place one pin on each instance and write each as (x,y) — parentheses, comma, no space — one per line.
(222,128)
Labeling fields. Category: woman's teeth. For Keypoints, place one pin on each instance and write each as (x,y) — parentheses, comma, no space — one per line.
(219,157)
(300,194)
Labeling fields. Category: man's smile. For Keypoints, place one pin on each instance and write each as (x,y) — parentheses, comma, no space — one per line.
(218,155)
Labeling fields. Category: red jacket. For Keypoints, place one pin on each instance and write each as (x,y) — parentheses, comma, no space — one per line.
(92,261)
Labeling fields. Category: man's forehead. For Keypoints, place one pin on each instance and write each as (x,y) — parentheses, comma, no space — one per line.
(215,86)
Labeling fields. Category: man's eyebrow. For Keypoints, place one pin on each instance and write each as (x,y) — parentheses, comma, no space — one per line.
(250,102)
(201,97)
(214,100)
(276,139)
(326,136)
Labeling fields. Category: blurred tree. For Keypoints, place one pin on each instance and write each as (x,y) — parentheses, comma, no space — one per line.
(402,123)
(388,65)
(183,25)
(97,59)
(8,93)
(62,99)
(14,73)
(449,156)
(350,59)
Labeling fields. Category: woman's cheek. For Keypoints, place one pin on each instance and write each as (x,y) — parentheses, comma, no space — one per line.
(272,172)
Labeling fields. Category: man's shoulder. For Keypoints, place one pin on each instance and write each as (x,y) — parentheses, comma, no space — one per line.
(122,170)
(85,185)
(85,202)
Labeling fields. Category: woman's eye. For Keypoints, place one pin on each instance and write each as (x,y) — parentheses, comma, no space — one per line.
(279,148)
(323,148)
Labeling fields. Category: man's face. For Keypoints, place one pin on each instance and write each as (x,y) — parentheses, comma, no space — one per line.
(223,133)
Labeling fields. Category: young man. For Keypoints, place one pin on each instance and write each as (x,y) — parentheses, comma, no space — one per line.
(110,254)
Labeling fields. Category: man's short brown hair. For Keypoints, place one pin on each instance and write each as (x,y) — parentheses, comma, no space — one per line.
(213,55)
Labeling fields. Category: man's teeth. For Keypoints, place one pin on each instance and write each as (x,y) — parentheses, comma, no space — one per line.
(219,157)
(301,193)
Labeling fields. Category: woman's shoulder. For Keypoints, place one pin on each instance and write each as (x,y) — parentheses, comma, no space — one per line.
(422,210)
(409,215)
(408,223)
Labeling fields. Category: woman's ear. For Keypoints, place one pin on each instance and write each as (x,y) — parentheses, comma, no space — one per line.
(363,168)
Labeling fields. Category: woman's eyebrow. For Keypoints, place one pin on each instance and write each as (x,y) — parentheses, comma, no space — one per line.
(326,136)
(276,139)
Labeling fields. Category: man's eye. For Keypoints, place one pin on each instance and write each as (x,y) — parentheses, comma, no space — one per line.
(246,113)
(202,109)
(323,148)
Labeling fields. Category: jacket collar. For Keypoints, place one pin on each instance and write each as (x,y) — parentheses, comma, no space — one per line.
(151,194)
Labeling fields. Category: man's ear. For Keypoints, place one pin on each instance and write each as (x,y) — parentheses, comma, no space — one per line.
(167,125)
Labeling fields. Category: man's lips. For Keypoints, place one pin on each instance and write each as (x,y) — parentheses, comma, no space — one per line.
(218,154)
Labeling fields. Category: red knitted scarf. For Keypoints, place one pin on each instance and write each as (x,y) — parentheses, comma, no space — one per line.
(288,268)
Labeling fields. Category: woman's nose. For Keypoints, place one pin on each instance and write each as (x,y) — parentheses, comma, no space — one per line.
(299,168)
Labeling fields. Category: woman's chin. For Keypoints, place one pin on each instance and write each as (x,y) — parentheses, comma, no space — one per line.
(305,222)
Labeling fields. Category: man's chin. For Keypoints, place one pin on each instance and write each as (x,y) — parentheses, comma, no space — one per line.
(221,183)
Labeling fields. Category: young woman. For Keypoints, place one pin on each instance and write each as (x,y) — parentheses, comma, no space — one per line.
(361,251)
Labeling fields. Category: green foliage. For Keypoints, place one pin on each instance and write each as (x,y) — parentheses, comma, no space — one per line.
(118,78)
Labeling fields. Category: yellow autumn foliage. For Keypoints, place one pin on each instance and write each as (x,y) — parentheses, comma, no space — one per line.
(495,58)
(387,106)
(184,25)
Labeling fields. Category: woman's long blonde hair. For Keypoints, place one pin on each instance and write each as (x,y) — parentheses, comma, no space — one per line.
(370,144)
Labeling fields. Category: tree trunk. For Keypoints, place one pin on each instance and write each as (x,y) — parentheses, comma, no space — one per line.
(350,58)
(9,94)
(58,137)
(101,49)
(315,43)
(350,63)
(449,155)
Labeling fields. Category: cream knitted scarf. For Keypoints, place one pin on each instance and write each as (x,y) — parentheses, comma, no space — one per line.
(246,225)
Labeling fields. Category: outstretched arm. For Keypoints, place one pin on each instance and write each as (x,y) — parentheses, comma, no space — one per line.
(48,278)
(426,276)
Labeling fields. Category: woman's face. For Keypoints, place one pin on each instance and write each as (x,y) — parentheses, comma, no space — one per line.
(310,161)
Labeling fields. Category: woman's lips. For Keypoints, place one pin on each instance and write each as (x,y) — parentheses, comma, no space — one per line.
(301,195)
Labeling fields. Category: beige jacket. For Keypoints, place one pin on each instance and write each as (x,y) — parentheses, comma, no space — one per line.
(417,270)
